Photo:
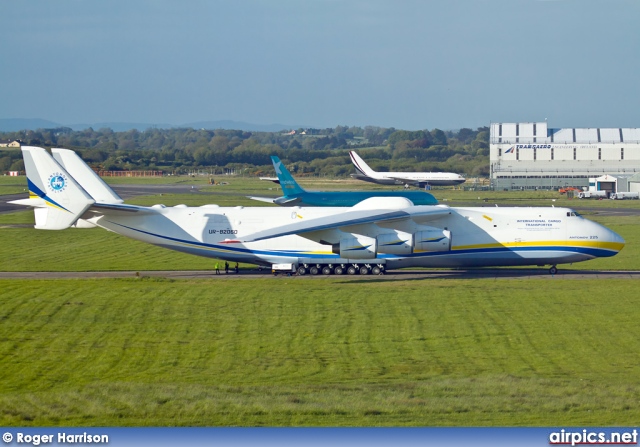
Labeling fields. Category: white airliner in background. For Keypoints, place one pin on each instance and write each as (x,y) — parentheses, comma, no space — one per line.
(420,179)
(374,235)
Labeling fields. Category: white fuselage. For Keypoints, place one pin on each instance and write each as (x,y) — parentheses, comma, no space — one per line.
(484,236)
(422,178)
(364,172)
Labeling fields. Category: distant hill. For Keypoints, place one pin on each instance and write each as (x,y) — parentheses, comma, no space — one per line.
(120,127)
(239,125)
(16,124)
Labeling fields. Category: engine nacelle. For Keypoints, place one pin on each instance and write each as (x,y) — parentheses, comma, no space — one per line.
(358,247)
(432,240)
(396,243)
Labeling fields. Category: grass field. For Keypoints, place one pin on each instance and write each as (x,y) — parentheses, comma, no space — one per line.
(327,352)
(13,185)
(309,351)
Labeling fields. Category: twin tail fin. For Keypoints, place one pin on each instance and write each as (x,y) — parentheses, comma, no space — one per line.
(85,176)
(57,197)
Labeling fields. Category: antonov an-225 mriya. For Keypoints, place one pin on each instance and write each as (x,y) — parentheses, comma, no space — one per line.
(376,234)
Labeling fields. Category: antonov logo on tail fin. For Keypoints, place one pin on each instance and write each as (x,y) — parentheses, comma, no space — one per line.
(57,182)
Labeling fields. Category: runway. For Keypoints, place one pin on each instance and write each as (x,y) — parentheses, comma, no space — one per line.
(397,275)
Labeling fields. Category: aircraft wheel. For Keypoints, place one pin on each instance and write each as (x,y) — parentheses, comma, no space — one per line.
(338,270)
(314,270)
(553,270)
(326,270)
(302,271)
(351,270)
(376,270)
(364,270)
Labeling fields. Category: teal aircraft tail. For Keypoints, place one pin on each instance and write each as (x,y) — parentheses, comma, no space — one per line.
(288,184)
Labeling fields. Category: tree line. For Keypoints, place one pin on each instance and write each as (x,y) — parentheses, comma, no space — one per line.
(304,151)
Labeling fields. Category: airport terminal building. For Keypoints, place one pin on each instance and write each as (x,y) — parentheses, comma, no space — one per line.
(533,156)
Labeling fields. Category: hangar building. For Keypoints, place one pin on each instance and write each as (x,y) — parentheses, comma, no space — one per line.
(533,156)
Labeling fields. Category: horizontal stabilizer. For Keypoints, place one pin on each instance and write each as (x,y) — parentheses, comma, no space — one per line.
(262,199)
(31,201)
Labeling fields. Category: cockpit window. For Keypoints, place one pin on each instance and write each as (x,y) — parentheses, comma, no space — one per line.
(573,214)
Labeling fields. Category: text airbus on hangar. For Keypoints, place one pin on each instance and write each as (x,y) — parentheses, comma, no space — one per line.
(534,156)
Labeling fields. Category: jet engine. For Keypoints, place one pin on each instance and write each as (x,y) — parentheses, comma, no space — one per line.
(358,247)
(396,243)
(432,240)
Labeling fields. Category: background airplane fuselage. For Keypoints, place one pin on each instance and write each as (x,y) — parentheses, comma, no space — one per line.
(351,198)
(483,236)
(433,179)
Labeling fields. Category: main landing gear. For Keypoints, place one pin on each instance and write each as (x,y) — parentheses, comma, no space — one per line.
(553,270)
(341,269)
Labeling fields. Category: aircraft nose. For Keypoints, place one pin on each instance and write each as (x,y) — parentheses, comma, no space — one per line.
(612,241)
(617,239)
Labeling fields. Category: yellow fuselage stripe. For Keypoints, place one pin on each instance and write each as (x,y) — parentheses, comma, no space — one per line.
(589,244)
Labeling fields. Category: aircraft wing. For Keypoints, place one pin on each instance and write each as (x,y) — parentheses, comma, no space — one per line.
(407,181)
(349,218)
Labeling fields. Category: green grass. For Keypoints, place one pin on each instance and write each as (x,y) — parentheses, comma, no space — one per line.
(13,185)
(19,217)
(334,352)
(87,250)
(199,199)
(166,180)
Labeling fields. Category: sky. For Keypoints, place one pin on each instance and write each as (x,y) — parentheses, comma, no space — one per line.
(408,64)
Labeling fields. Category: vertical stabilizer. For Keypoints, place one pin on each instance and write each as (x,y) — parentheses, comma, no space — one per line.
(288,184)
(84,175)
(361,166)
(58,199)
